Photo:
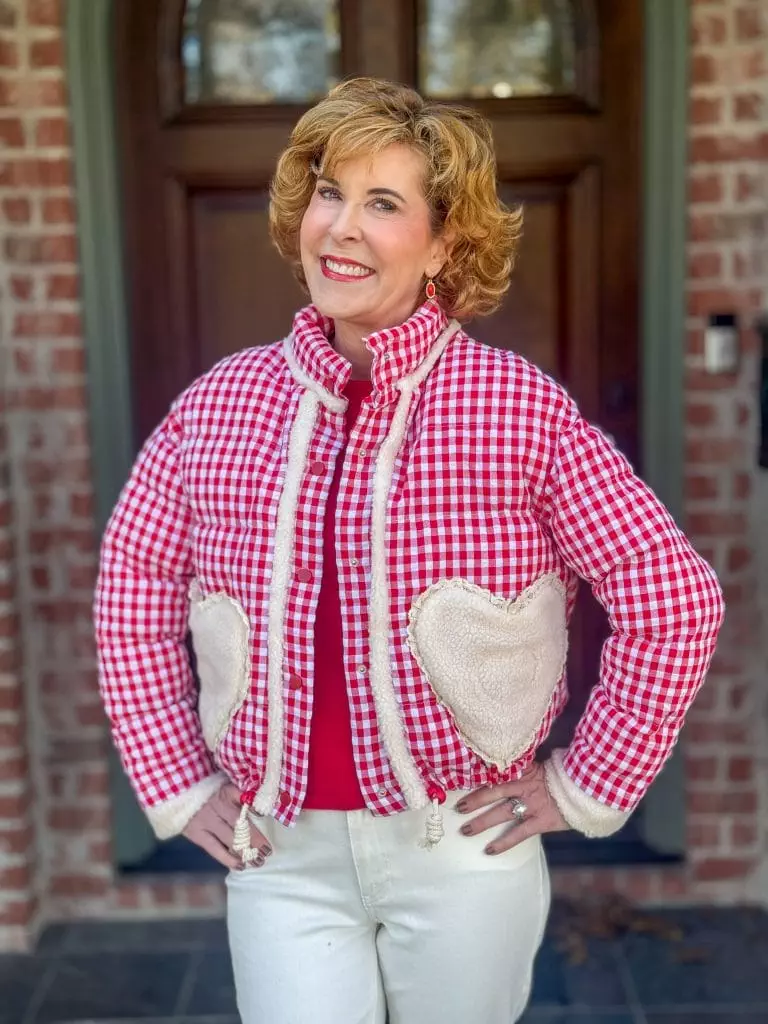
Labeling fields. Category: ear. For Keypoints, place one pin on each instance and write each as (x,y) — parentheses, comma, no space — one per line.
(440,252)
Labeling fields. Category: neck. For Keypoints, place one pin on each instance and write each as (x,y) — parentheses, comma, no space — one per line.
(348,342)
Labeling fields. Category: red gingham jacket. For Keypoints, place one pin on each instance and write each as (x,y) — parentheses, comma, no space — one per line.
(473,494)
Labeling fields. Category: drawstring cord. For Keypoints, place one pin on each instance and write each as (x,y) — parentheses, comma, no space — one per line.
(435,829)
(241,842)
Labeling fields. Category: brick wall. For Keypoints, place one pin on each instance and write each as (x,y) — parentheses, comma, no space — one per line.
(50,477)
(728,271)
(55,857)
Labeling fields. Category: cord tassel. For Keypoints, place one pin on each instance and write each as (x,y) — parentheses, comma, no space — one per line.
(435,829)
(241,842)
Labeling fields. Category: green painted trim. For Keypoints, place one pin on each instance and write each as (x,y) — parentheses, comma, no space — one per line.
(664,261)
(90,65)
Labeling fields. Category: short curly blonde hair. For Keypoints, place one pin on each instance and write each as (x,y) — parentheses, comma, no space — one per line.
(364,115)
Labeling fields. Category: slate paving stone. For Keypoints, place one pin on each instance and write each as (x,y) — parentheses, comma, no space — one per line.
(721,959)
(112,985)
(140,936)
(20,977)
(595,983)
(213,989)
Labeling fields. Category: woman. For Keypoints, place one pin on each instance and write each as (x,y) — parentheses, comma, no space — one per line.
(373,531)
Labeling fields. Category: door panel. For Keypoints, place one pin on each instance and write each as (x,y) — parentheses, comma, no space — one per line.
(204,279)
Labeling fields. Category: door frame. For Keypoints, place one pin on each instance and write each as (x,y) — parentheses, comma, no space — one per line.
(662,292)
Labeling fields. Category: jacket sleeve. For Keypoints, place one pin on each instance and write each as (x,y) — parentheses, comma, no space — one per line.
(665,608)
(145,674)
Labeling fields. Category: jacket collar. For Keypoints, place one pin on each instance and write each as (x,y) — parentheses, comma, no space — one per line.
(397,351)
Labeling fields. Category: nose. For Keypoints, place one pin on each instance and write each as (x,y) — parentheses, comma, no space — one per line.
(346,223)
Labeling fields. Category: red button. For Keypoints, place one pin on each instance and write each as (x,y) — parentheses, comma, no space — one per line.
(285,799)
(295,682)
(304,575)
(318,468)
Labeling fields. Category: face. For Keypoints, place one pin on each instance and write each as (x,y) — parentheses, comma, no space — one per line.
(367,242)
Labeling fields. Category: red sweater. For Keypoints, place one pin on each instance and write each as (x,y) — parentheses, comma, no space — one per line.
(332,783)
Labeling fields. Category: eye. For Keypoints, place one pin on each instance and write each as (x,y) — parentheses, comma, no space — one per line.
(385,205)
(328,192)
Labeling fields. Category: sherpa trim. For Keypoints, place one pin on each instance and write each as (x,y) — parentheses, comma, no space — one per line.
(172,816)
(330,401)
(387,710)
(285,532)
(494,663)
(582,812)
(221,639)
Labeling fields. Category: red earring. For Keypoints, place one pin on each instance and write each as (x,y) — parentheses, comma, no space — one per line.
(430,289)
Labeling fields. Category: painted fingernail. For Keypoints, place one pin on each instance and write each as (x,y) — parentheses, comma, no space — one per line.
(461,807)
(466,830)
(491,850)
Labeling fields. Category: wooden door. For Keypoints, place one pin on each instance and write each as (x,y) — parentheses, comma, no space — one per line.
(208,91)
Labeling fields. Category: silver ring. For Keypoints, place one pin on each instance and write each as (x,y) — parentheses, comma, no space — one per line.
(518,807)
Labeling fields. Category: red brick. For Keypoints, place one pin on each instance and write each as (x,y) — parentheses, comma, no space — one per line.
(128,896)
(743,834)
(706,187)
(741,769)
(70,359)
(52,131)
(14,806)
(16,840)
(78,819)
(70,396)
(699,487)
(18,912)
(46,53)
(705,264)
(722,869)
(723,148)
(718,733)
(703,835)
(58,210)
(22,287)
(727,803)
(701,769)
(700,414)
(750,23)
(78,885)
(81,505)
(45,12)
(714,451)
(35,93)
(18,877)
(709,28)
(48,325)
(11,128)
(703,69)
(9,53)
(17,210)
(705,110)
(34,172)
(46,249)
(748,106)
(63,286)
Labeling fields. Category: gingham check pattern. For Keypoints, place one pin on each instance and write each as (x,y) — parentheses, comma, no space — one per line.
(499,481)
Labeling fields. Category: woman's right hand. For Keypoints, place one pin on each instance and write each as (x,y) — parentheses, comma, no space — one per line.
(213,828)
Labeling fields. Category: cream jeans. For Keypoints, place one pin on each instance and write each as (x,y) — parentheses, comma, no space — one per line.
(350,920)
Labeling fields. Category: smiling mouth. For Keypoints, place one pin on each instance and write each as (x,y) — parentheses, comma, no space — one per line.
(342,270)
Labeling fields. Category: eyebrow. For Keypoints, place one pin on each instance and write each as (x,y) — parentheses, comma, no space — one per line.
(371,191)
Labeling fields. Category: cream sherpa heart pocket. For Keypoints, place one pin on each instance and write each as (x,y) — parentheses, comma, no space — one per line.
(494,663)
(220,636)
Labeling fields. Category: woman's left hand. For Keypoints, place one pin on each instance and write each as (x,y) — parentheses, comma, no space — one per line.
(496,803)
